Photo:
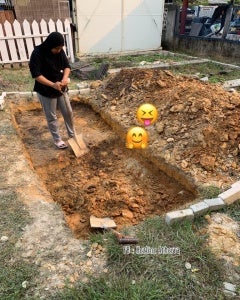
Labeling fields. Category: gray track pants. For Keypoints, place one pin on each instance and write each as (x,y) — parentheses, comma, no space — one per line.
(50,106)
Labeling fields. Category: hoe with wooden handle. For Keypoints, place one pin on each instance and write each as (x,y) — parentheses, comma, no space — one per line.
(76,142)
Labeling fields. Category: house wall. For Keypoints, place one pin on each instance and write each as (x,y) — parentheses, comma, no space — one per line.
(109,26)
(41,9)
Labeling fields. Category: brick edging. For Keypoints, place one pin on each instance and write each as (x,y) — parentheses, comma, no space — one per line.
(207,205)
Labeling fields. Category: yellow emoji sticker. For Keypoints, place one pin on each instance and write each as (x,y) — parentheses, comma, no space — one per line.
(137,137)
(147,114)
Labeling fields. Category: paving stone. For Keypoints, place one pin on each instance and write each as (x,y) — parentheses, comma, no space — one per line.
(231,83)
(85,91)
(2,101)
(199,208)
(229,286)
(179,215)
(229,294)
(214,203)
(230,196)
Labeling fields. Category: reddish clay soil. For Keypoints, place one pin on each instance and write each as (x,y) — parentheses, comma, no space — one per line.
(108,181)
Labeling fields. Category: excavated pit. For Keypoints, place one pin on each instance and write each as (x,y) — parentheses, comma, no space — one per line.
(108,181)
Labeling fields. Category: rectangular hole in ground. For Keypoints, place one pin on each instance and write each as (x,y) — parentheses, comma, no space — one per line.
(108,181)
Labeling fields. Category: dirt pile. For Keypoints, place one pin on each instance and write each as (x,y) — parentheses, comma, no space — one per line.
(198,124)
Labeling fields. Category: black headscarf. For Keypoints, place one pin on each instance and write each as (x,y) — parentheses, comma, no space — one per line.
(54,39)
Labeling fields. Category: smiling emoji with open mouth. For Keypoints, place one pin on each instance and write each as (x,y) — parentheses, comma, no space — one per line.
(147,114)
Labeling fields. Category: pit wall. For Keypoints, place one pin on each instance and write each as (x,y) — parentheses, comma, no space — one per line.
(85,96)
(170,170)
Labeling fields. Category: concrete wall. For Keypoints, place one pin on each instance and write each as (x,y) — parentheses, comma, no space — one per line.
(169,30)
(204,47)
(197,46)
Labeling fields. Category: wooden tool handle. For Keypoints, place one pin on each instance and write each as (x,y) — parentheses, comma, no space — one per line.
(128,240)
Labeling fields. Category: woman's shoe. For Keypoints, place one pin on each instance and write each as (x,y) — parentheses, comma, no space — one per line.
(60,144)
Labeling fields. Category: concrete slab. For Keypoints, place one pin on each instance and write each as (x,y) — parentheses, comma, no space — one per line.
(179,215)
(199,208)
(230,196)
(214,203)
(231,83)
(102,222)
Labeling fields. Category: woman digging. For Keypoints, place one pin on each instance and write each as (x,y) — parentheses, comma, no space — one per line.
(50,68)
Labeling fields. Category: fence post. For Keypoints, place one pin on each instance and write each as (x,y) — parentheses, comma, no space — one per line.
(3,47)
(20,41)
(69,40)
(29,41)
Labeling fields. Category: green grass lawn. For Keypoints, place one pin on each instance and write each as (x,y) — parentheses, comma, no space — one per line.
(156,276)
(13,270)
(132,274)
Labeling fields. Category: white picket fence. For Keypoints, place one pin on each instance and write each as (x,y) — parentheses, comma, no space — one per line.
(17,41)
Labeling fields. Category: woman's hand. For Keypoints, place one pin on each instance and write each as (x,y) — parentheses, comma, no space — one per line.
(57,86)
(65,81)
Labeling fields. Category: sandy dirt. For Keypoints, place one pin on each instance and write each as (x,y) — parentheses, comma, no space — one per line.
(223,237)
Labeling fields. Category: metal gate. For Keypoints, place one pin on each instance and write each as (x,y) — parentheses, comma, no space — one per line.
(107,26)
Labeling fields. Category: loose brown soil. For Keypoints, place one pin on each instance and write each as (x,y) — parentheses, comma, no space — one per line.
(108,181)
(198,128)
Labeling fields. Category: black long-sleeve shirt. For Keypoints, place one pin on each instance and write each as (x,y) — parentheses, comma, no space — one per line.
(50,66)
